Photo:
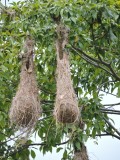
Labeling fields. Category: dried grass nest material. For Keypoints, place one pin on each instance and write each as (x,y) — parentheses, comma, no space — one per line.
(25,108)
(66,105)
(81,154)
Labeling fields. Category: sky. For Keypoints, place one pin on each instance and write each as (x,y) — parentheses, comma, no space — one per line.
(108,148)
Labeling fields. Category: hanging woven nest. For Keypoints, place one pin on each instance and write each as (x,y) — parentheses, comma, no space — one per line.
(25,108)
(66,105)
(81,154)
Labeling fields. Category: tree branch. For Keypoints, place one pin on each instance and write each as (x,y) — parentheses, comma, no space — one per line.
(108,93)
(80,50)
(26,146)
(113,135)
(104,49)
(108,111)
(111,126)
(46,91)
(114,104)
(90,59)
(13,139)
(97,62)
(108,134)
(113,72)
(47,102)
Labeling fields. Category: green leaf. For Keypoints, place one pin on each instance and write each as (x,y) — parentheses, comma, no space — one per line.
(118,92)
(112,35)
(85,137)
(4,68)
(59,149)
(93,132)
(65,155)
(77,144)
(73,19)
(33,155)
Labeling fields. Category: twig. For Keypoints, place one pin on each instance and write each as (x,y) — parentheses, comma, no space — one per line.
(25,146)
(114,73)
(108,134)
(47,101)
(114,104)
(111,126)
(108,93)
(107,112)
(110,110)
(105,49)
(113,135)
(46,91)
(91,58)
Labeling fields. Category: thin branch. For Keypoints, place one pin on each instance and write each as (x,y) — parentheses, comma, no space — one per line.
(46,91)
(93,37)
(26,146)
(93,62)
(105,49)
(114,104)
(100,61)
(110,110)
(47,102)
(108,134)
(107,112)
(108,93)
(114,73)
(104,134)
(111,126)
(38,144)
(91,58)
(113,135)
(12,139)
(102,85)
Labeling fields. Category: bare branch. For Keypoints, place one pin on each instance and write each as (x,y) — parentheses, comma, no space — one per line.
(114,104)
(113,135)
(108,93)
(113,72)
(109,112)
(108,134)
(111,126)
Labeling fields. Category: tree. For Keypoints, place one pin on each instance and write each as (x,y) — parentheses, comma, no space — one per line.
(95,65)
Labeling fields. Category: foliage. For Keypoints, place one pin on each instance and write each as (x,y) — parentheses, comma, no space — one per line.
(95,66)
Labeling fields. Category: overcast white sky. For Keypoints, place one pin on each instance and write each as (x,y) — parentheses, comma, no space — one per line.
(107,149)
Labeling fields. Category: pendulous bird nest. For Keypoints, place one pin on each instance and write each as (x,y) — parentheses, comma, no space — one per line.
(66,105)
(81,154)
(25,108)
